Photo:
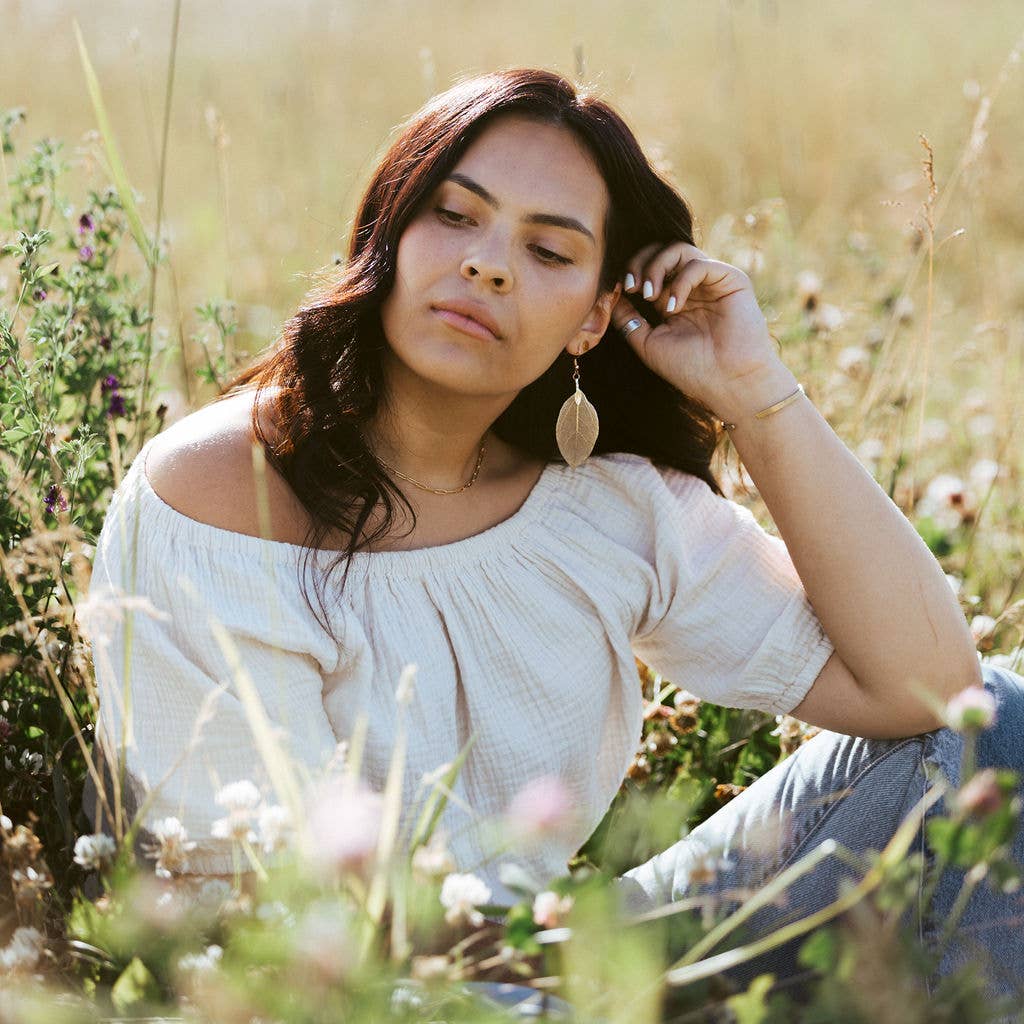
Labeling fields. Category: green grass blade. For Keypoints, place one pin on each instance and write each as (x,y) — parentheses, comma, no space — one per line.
(124,189)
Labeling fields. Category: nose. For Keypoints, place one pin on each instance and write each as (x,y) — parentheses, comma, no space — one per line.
(492,267)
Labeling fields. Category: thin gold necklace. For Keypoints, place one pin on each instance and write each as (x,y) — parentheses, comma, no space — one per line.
(433,490)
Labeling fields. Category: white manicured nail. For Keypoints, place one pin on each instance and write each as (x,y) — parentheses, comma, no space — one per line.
(630,282)
(671,305)
(648,289)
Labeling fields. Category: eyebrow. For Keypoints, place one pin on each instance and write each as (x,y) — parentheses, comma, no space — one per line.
(554,219)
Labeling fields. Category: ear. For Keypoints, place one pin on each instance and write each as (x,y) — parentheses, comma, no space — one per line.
(596,323)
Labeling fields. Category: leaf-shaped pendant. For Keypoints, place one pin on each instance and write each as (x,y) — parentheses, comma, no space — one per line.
(576,429)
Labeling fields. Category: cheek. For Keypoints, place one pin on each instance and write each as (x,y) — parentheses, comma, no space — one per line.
(564,299)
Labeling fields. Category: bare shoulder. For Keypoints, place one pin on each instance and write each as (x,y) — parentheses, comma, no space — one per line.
(202,466)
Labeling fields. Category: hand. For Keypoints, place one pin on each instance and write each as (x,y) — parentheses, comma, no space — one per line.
(715,337)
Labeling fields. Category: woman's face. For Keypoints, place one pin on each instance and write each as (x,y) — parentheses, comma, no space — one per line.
(537,281)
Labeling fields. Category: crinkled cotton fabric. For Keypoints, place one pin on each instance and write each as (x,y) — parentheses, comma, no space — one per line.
(524,636)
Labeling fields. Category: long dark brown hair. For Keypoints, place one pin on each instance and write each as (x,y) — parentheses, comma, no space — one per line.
(326,366)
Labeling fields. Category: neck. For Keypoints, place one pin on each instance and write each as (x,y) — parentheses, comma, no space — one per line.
(435,438)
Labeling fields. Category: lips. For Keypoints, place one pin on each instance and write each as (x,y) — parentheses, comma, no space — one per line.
(468,311)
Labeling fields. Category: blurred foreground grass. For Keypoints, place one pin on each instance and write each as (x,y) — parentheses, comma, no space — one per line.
(888,263)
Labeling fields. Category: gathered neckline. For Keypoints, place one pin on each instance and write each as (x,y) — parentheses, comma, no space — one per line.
(162,516)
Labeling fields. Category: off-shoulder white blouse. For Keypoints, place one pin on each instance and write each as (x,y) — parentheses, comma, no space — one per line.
(524,636)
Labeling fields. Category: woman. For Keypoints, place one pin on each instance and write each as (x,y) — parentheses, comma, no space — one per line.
(517,263)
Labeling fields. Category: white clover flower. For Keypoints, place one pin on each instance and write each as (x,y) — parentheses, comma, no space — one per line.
(983,473)
(240,800)
(344,825)
(171,848)
(870,450)
(433,860)
(549,909)
(94,852)
(903,309)
(461,894)
(22,953)
(808,286)
(828,317)
(543,806)
(201,963)
(684,700)
(982,626)
(238,796)
(276,912)
(948,500)
(404,998)
(275,823)
(972,708)
(854,361)
(170,902)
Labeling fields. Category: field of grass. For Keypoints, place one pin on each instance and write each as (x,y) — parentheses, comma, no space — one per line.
(861,161)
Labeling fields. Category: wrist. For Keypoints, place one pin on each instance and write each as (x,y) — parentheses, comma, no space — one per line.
(755,392)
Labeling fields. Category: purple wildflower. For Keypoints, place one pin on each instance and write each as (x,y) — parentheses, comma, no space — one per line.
(110,383)
(105,343)
(85,223)
(116,404)
(54,496)
(85,253)
(39,294)
(6,730)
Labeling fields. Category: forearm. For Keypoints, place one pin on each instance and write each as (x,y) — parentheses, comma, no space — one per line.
(878,591)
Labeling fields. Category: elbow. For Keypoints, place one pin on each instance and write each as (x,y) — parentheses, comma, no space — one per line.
(958,671)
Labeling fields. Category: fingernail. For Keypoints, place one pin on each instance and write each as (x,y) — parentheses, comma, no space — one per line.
(648,289)
(671,304)
(630,282)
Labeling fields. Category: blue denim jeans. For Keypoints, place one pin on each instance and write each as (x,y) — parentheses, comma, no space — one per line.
(855,791)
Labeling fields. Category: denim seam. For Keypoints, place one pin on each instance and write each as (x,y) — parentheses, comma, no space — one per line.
(846,792)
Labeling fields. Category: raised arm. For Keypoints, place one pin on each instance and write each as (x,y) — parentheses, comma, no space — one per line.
(878,591)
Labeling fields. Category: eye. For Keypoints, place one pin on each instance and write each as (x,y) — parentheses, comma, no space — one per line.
(545,255)
(440,210)
(552,257)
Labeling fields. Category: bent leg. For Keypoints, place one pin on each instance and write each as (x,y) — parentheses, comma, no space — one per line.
(856,791)
(853,790)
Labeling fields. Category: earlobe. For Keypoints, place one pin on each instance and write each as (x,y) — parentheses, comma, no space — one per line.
(600,319)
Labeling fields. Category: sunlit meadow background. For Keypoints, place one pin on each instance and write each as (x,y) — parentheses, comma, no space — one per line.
(863,162)
(796,130)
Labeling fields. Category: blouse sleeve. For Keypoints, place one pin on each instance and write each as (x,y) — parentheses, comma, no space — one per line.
(167,688)
(728,618)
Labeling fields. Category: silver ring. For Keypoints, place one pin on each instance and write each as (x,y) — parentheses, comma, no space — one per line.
(632,324)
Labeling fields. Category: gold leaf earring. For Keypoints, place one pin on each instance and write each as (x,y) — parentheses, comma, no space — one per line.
(577,427)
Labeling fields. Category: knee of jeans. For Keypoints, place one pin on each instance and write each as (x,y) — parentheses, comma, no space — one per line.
(1007,687)
(1000,745)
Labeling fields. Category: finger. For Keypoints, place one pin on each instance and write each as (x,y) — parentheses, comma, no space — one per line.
(692,274)
(635,267)
(662,267)
(658,269)
(622,313)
